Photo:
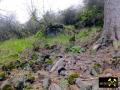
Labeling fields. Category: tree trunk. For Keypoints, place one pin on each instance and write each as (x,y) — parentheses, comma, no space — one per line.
(111,22)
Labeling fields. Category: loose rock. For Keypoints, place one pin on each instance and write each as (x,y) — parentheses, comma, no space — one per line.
(54,86)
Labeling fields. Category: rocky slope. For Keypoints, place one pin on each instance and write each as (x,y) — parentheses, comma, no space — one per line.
(55,69)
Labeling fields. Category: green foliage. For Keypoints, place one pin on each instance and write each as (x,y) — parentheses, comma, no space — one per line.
(47,46)
(39,34)
(97,65)
(31,62)
(71,78)
(49,62)
(90,17)
(34,56)
(75,49)
(64,84)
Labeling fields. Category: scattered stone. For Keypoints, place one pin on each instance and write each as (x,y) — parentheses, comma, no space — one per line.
(73,87)
(26,54)
(62,71)
(96,69)
(60,63)
(95,47)
(82,85)
(116,54)
(115,64)
(48,67)
(18,82)
(20,85)
(54,86)
(87,85)
(93,72)
(46,83)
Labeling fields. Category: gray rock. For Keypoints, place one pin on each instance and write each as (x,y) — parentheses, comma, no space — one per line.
(59,64)
(83,85)
(18,82)
(54,86)
(48,67)
(46,83)
(62,71)
(87,85)
(93,72)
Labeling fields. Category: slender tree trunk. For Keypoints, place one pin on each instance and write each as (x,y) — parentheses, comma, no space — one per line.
(111,22)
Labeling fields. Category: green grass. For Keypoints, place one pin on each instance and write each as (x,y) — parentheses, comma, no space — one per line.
(10,49)
(60,39)
(87,33)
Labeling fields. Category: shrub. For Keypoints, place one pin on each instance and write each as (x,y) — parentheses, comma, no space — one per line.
(71,78)
(47,46)
(39,34)
(49,62)
(34,56)
(75,49)
(95,66)
(27,87)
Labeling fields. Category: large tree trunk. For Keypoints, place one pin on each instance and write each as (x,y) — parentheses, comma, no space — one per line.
(111,22)
(112,19)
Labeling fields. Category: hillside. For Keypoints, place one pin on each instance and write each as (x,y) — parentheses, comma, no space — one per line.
(38,62)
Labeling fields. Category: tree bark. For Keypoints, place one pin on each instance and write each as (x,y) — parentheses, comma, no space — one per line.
(112,19)
(111,28)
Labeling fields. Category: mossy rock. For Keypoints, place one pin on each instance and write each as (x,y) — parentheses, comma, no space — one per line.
(71,78)
(28,88)
(26,54)
(30,78)
(96,69)
(2,75)
(9,66)
(7,87)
